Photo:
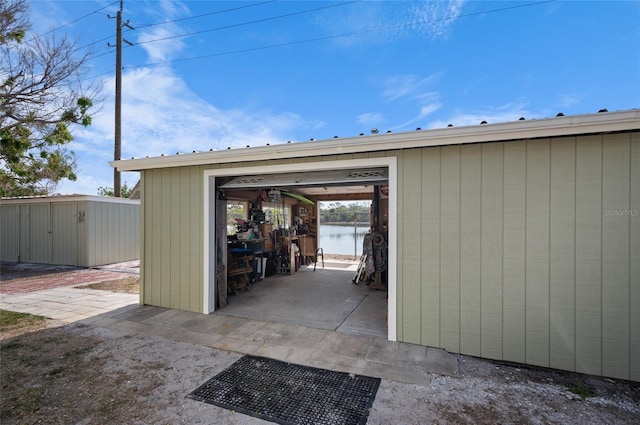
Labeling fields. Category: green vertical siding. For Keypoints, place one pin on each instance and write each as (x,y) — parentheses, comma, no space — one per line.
(588,263)
(616,181)
(537,253)
(449,248)
(412,256)
(430,246)
(470,248)
(634,259)
(172,241)
(562,254)
(491,250)
(529,251)
(513,247)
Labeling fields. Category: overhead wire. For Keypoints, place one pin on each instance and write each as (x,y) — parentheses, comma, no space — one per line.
(217,12)
(256,21)
(310,40)
(72,22)
(330,37)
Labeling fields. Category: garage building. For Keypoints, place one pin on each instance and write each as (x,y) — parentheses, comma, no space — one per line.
(515,241)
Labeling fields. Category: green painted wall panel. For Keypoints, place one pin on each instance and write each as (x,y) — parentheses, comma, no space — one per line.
(430,223)
(470,248)
(412,242)
(179,283)
(562,254)
(537,254)
(615,255)
(514,236)
(450,248)
(634,260)
(153,239)
(491,250)
(589,255)
(184,245)
(172,208)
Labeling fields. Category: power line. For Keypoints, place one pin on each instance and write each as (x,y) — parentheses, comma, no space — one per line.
(248,23)
(72,22)
(330,37)
(324,38)
(204,14)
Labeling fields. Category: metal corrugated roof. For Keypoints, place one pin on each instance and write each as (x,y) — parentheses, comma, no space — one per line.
(558,126)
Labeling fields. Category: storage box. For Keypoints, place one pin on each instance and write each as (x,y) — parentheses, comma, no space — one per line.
(266,229)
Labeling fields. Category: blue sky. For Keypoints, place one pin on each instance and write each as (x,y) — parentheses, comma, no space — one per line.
(252,73)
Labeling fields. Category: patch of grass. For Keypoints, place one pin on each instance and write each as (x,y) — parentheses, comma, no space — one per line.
(129,285)
(583,390)
(10,320)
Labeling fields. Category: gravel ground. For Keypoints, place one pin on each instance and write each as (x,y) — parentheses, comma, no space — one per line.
(58,374)
(90,375)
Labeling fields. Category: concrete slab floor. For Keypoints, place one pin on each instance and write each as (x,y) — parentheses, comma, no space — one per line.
(324,299)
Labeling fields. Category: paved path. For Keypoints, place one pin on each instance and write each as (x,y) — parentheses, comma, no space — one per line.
(368,355)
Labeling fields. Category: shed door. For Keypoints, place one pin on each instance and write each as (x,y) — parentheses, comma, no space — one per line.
(40,233)
(64,233)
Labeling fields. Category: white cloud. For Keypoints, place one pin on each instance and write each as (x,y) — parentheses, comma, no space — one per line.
(370,118)
(425,111)
(505,113)
(409,86)
(568,100)
(374,22)
(161,50)
(161,115)
(437,17)
(160,41)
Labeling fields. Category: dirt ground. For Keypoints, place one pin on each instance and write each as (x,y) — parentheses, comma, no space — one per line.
(53,373)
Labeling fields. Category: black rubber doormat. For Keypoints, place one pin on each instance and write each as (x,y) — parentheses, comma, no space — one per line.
(290,394)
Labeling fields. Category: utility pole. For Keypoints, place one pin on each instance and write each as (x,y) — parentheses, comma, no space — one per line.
(117,150)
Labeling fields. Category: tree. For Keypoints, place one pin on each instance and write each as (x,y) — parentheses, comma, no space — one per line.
(337,212)
(41,97)
(125,191)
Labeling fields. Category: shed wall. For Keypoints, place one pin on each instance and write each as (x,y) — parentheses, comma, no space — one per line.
(79,233)
(110,232)
(529,251)
(172,241)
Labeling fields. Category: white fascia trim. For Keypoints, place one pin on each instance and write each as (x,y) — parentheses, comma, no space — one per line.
(518,130)
(67,198)
(390,162)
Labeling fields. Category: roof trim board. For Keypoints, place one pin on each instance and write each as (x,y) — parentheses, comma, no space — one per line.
(603,122)
(66,198)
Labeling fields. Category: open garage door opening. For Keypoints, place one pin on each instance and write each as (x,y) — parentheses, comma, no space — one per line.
(270,264)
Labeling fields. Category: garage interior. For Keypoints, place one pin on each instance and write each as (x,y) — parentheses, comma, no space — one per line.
(267,234)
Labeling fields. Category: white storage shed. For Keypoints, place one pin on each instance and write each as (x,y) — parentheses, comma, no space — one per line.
(75,230)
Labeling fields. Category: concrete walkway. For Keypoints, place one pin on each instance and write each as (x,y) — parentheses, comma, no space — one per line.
(367,355)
